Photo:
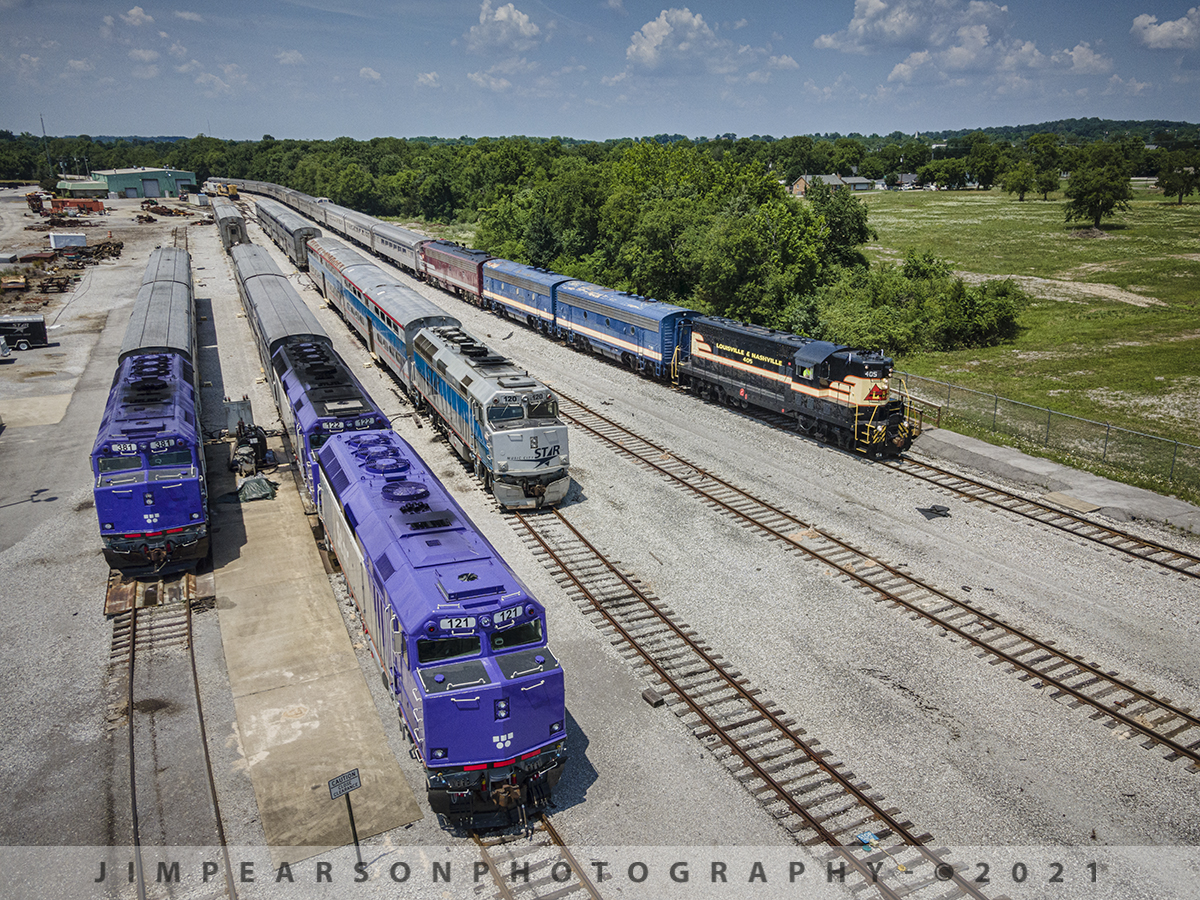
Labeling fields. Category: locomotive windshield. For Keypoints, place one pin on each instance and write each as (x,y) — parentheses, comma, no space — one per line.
(546,409)
(176,458)
(528,633)
(502,414)
(120,463)
(447,648)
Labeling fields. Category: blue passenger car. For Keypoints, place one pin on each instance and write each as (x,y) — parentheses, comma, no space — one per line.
(148,457)
(521,291)
(635,331)
(460,640)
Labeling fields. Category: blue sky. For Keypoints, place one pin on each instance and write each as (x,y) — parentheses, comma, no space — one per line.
(591,69)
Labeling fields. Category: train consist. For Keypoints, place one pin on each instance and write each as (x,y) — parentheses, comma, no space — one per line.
(503,422)
(288,229)
(148,458)
(460,641)
(836,394)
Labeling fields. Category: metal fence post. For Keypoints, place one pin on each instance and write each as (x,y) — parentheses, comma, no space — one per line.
(1048,414)
(1174,457)
(1107,432)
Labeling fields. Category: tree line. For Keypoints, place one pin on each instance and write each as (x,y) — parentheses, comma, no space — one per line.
(705,224)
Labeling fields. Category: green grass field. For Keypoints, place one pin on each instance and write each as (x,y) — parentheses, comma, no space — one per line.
(1113,332)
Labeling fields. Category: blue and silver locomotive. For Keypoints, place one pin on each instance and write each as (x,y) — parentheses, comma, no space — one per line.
(459,638)
(148,459)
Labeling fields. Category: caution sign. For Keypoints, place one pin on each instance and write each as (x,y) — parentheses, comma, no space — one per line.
(344,784)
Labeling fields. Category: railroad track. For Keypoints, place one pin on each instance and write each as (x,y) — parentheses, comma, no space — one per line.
(1064,520)
(815,798)
(1126,708)
(534,864)
(153,678)
(1060,518)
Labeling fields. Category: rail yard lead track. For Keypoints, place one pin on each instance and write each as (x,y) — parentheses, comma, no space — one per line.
(1168,557)
(815,799)
(1063,519)
(1121,704)
(549,868)
(154,632)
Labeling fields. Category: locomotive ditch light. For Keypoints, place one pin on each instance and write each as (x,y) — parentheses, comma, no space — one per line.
(439,753)
(108,526)
(195,516)
(503,467)
(556,727)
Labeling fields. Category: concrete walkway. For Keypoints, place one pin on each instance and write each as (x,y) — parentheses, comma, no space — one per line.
(304,712)
(1108,498)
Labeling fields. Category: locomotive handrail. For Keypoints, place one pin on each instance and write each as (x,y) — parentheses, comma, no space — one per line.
(464,699)
(530,687)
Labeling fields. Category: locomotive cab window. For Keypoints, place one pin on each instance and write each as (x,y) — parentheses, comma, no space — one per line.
(120,463)
(447,648)
(176,458)
(505,413)
(547,409)
(526,633)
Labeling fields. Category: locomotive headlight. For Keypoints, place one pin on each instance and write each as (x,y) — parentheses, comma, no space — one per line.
(439,753)
(501,709)
(148,498)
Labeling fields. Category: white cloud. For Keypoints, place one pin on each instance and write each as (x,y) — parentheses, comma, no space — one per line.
(676,35)
(489,81)
(144,72)
(136,16)
(1083,60)
(1023,55)
(189,16)
(143,56)
(782,62)
(1178,34)
(177,49)
(917,24)
(505,27)
(904,71)
(213,85)
(81,65)
(369,74)
(290,57)
(29,64)
(428,80)
(188,67)
(1132,87)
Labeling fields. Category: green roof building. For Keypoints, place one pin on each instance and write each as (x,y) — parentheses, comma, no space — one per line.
(143,182)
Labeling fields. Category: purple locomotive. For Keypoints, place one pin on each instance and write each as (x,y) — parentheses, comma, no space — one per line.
(148,459)
(460,640)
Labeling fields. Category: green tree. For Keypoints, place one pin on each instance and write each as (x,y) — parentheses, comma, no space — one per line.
(1178,174)
(846,218)
(1020,179)
(1099,186)
(1048,181)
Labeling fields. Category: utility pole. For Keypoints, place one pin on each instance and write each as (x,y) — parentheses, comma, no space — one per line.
(46,147)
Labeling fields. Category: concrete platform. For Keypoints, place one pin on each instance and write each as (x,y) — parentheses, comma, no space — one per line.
(304,713)
(1088,492)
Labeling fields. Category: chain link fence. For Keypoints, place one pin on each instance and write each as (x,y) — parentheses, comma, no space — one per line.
(1162,458)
